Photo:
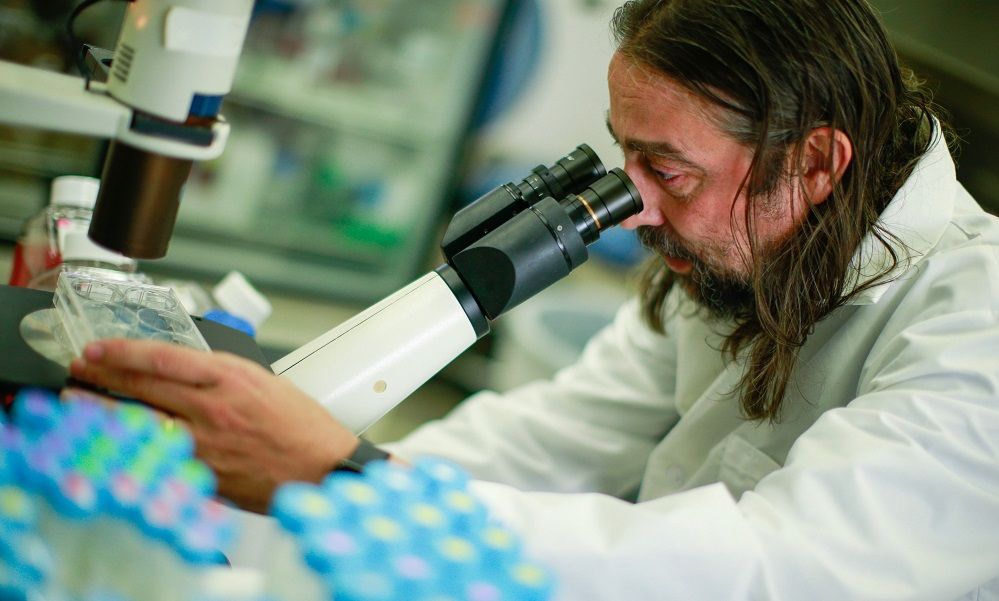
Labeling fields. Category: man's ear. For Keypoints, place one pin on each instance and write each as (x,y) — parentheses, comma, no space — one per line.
(826,153)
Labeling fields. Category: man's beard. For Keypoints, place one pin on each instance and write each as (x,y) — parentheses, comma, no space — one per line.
(723,294)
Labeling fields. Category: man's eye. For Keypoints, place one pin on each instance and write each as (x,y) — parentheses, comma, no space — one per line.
(665,175)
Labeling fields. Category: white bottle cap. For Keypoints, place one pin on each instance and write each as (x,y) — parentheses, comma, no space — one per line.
(237,296)
(75,190)
(77,246)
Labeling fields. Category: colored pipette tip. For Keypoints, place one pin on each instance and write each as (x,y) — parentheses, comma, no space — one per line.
(103,447)
(15,463)
(400,533)
(353,494)
(530,582)
(138,421)
(7,467)
(299,506)
(467,513)
(197,475)
(201,543)
(77,496)
(414,575)
(443,474)
(332,550)
(160,520)
(125,493)
(385,535)
(35,410)
(395,481)
(458,555)
(372,584)
(500,547)
(427,519)
(99,460)
(484,591)
(86,411)
(177,442)
(43,471)
(54,444)
(17,512)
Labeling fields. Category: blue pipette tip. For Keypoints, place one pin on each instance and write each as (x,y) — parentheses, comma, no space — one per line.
(35,409)
(298,505)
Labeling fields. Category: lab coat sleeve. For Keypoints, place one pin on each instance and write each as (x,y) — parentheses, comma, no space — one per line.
(895,496)
(589,429)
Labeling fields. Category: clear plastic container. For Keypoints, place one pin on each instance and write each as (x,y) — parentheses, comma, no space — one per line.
(101,303)
(71,205)
(58,234)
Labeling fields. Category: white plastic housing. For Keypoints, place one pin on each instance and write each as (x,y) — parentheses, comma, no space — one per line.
(372,362)
(168,51)
(37,98)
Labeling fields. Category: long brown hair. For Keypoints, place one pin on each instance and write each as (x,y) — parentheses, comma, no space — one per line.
(779,69)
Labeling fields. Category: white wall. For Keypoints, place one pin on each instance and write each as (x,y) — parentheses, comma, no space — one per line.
(566,101)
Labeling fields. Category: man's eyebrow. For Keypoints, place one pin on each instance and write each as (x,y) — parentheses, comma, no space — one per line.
(659,149)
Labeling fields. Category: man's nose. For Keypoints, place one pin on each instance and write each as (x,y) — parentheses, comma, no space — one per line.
(651,213)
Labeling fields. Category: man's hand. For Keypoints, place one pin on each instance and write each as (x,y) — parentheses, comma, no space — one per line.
(254,429)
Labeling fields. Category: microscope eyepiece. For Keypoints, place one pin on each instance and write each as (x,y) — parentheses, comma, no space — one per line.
(570,174)
(606,203)
(578,168)
(542,244)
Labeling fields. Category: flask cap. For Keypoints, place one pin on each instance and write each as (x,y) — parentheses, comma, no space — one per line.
(237,296)
(74,190)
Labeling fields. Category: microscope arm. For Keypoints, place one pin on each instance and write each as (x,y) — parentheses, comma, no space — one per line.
(363,368)
(369,364)
(39,99)
(47,100)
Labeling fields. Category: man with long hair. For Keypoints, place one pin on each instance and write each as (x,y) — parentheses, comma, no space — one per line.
(803,402)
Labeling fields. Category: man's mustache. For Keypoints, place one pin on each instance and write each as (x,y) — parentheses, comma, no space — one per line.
(658,240)
(723,295)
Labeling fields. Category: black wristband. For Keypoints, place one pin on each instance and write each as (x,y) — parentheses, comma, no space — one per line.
(362,455)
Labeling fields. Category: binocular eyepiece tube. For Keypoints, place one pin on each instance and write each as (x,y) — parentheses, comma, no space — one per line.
(508,261)
(570,174)
(606,203)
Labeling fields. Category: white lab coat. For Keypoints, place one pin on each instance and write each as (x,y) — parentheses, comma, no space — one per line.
(881,482)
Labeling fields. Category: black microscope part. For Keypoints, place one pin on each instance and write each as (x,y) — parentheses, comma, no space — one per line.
(570,174)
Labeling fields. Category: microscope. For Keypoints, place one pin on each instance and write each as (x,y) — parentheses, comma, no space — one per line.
(173,63)
(157,99)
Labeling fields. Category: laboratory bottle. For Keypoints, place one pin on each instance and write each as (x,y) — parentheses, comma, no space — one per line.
(78,250)
(233,302)
(71,205)
(41,244)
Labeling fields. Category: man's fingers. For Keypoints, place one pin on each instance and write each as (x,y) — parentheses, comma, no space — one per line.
(166,361)
(170,397)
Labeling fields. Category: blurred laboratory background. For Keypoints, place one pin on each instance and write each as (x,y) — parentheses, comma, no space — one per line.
(360,126)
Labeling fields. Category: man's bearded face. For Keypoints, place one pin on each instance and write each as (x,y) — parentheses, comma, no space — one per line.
(723,293)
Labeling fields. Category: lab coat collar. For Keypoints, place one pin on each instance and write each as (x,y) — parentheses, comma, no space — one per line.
(917,215)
